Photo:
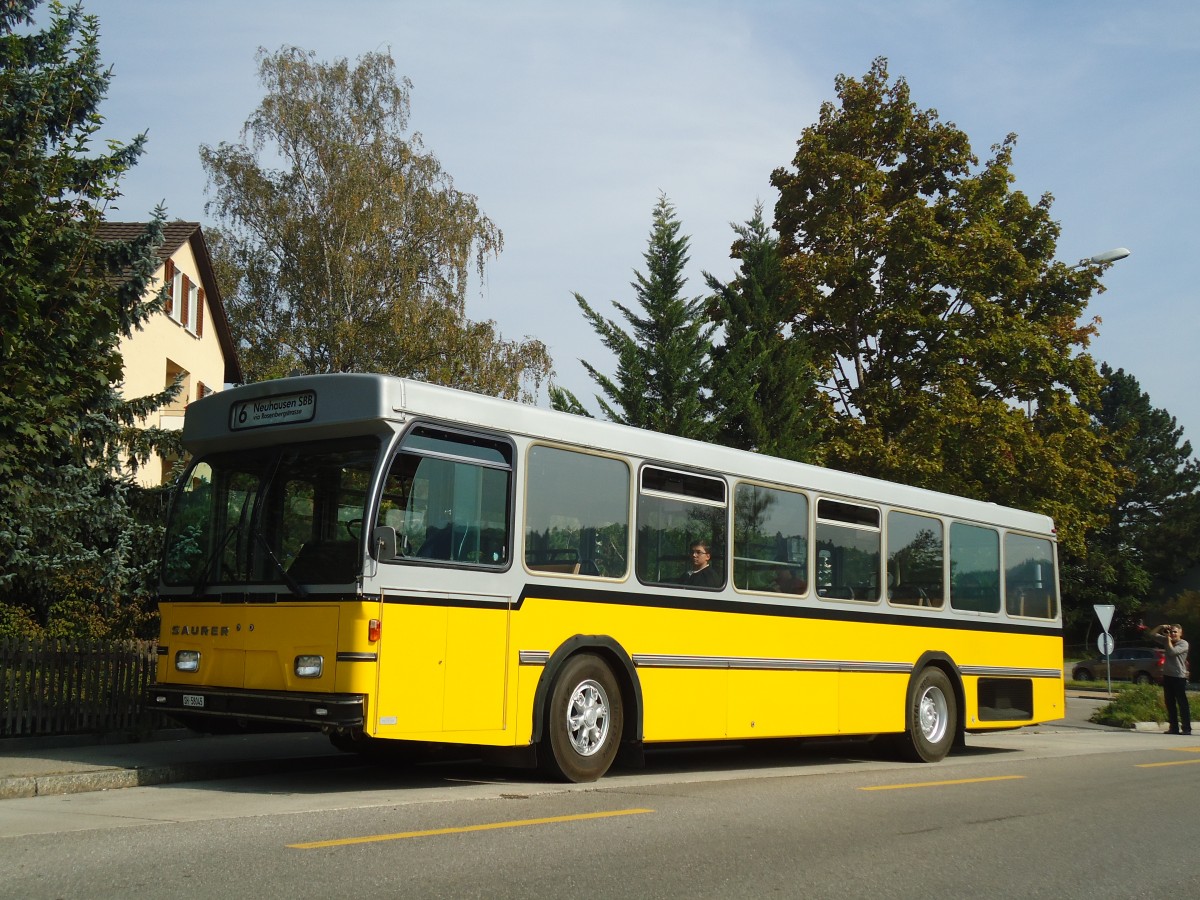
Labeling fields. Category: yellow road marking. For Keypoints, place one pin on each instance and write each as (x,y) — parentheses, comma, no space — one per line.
(1177,762)
(925,784)
(490,826)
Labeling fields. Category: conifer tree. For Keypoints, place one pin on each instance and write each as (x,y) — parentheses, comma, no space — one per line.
(763,380)
(1152,535)
(67,531)
(663,359)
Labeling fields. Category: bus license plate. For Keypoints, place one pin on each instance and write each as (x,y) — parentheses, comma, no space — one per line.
(196,700)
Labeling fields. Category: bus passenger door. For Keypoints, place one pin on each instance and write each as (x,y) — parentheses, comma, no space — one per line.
(476,668)
(447,500)
(442,666)
(412,671)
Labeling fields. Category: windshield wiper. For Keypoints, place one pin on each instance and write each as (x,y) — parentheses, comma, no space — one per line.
(264,488)
(202,580)
(295,586)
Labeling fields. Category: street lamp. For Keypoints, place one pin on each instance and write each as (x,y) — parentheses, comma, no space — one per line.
(1108,256)
(1103,258)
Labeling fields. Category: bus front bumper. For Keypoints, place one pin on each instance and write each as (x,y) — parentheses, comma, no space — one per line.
(319,710)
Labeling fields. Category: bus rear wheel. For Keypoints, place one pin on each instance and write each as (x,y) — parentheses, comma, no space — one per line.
(931,720)
(584,720)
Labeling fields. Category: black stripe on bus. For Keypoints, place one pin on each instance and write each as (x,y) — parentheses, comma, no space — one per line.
(710,603)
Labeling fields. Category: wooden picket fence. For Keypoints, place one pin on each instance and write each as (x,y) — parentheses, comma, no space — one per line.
(57,687)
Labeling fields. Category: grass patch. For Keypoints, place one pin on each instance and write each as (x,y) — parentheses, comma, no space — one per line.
(1135,703)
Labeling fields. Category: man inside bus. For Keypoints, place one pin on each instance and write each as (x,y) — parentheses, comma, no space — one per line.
(438,538)
(701,573)
(788,580)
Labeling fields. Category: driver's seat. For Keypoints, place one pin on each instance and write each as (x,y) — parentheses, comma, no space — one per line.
(326,562)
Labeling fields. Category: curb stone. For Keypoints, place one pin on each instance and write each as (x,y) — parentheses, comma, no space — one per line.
(24,786)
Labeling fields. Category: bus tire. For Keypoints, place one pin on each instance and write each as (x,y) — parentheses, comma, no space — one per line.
(931,719)
(584,720)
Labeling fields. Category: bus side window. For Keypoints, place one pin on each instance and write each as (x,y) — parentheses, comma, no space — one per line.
(395,510)
(848,538)
(914,561)
(1029,582)
(576,513)
(675,511)
(448,496)
(770,540)
(974,568)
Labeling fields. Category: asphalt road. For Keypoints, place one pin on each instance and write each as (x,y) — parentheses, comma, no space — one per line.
(1057,812)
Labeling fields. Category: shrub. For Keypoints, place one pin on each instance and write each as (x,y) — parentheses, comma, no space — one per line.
(1134,703)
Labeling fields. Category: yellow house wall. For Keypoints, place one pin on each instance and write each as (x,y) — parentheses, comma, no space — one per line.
(161,339)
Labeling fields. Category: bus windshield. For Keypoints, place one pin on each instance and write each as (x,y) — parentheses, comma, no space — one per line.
(290,514)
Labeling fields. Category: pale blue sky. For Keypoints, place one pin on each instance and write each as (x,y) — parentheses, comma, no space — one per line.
(567,119)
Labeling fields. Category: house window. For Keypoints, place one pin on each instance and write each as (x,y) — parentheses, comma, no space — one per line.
(179,404)
(175,307)
(192,301)
(185,304)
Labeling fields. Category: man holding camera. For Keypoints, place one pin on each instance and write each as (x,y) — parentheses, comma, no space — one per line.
(1175,677)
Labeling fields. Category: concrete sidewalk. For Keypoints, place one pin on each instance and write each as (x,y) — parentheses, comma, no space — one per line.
(31,767)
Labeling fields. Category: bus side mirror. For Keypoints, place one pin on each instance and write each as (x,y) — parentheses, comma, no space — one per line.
(383,542)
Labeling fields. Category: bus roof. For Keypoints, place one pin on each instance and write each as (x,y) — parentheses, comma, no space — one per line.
(354,404)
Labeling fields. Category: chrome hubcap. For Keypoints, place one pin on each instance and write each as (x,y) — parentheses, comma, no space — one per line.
(932,714)
(587,718)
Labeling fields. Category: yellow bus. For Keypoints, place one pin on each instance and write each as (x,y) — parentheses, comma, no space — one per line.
(387,560)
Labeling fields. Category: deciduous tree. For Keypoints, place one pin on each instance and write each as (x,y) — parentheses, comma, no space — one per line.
(350,244)
(929,288)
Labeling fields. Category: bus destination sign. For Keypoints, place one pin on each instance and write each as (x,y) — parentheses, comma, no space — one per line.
(285,409)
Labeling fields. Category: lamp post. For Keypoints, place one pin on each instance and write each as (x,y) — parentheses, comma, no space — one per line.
(1104,258)
(1108,256)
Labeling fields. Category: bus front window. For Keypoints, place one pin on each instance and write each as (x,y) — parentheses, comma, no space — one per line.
(277,514)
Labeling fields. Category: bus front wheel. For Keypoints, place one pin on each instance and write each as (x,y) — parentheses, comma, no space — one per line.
(583,720)
(931,719)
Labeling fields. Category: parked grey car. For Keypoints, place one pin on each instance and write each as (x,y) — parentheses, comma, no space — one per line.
(1143,665)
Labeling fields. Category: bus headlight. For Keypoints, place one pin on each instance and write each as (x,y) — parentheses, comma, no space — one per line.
(187,661)
(309,666)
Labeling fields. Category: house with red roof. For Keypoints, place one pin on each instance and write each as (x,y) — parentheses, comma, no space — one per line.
(189,339)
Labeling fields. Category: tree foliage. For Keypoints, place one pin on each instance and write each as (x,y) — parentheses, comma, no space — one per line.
(1160,509)
(1152,533)
(662,360)
(355,253)
(929,288)
(763,378)
(69,531)
(1184,609)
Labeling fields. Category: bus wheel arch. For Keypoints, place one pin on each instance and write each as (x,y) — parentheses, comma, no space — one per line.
(933,710)
(585,671)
